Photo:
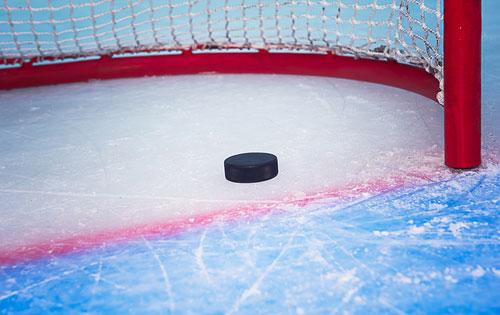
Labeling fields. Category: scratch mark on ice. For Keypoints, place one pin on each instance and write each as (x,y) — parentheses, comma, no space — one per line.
(168,287)
(350,254)
(34,285)
(97,276)
(254,289)
(392,307)
(198,253)
(116,286)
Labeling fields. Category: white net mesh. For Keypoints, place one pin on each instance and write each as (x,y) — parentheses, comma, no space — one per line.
(408,31)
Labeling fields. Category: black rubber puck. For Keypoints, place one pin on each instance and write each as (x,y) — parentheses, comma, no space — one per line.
(251,167)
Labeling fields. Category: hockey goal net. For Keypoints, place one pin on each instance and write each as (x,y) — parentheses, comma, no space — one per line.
(411,33)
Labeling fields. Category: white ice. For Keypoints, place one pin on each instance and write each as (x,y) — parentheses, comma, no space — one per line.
(88,157)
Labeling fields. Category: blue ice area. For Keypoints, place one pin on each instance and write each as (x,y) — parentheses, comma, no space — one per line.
(432,248)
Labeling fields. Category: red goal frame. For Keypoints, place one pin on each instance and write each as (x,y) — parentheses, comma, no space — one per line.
(462,74)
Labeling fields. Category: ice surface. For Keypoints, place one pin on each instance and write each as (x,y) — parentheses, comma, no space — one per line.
(82,158)
(430,248)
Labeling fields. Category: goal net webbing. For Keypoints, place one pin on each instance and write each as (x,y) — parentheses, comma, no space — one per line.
(407,31)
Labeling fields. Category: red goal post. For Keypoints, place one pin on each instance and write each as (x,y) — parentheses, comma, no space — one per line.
(52,42)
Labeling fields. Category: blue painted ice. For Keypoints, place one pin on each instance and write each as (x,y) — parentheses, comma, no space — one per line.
(431,249)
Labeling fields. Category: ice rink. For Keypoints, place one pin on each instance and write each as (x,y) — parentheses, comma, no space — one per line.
(113,198)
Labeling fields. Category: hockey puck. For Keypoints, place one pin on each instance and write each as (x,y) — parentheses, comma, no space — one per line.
(251,167)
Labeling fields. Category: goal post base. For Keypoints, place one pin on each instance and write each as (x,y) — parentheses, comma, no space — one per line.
(384,72)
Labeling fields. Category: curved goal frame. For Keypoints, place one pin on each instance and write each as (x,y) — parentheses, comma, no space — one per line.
(461,57)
